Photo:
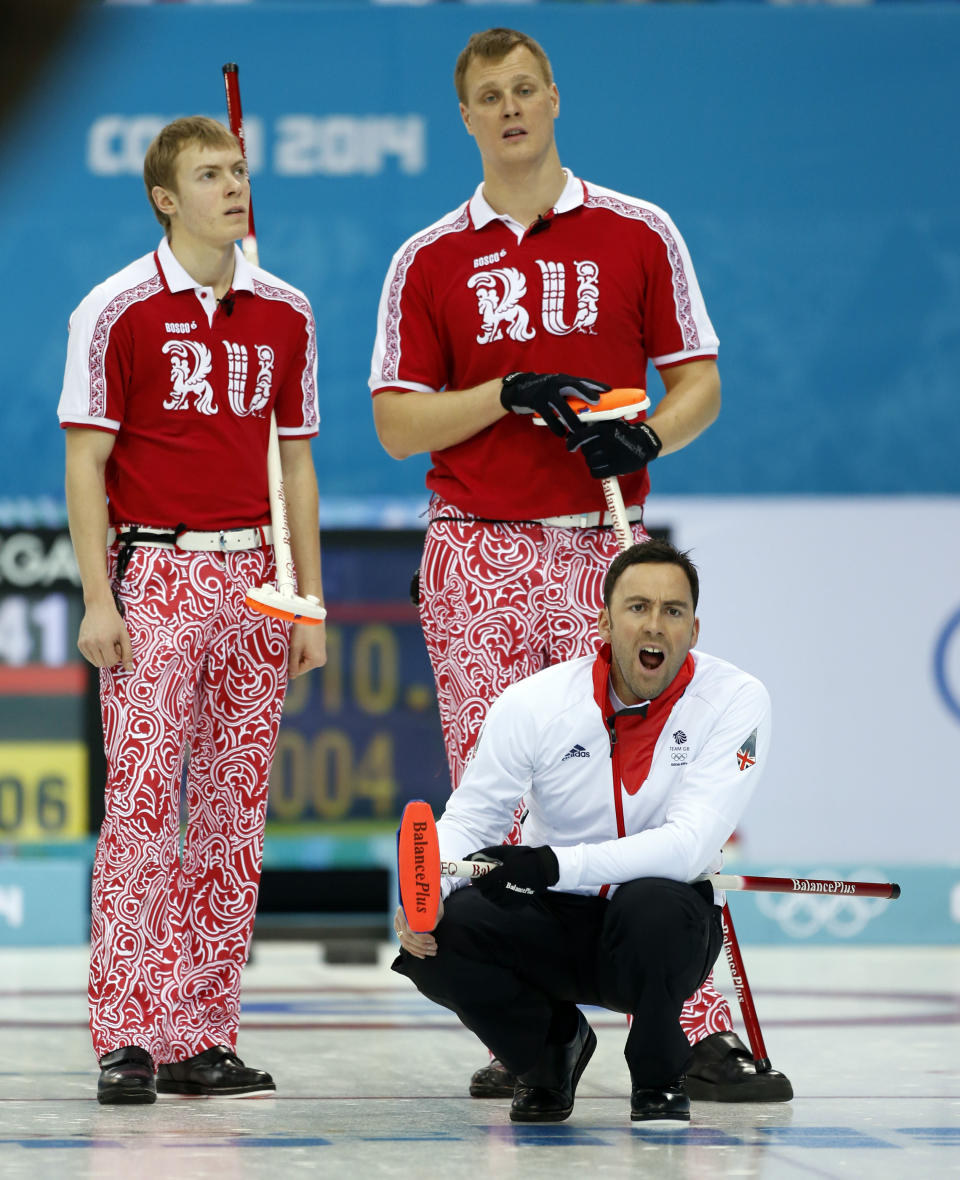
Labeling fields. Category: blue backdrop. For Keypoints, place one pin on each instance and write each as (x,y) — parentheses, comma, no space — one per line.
(808,156)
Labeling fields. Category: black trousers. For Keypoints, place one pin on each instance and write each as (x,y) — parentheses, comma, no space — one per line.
(512,974)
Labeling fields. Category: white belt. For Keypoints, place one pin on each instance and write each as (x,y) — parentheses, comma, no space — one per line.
(223,541)
(588,520)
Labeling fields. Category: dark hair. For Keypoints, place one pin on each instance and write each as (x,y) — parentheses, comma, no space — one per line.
(654,550)
(493,45)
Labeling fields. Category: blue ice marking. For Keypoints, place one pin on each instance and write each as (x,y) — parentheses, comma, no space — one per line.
(694,1136)
(62,1143)
(547,1135)
(938,1136)
(832,1137)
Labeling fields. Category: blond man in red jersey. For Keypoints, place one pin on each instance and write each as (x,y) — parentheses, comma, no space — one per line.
(174,366)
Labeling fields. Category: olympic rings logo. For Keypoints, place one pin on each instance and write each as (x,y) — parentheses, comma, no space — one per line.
(801,915)
(942,664)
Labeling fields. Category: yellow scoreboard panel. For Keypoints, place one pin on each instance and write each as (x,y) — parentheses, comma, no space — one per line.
(43,791)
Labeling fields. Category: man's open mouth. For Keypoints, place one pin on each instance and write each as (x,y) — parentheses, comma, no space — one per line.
(651,658)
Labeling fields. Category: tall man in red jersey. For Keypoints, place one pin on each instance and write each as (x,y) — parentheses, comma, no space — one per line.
(173,368)
(483,316)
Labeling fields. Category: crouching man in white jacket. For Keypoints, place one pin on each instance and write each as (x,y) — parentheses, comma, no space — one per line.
(635,767)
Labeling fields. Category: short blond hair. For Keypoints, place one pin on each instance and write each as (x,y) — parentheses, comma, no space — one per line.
(160,162)
(493,45)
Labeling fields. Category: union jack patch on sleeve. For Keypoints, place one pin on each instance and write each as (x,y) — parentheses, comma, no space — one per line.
(747,754)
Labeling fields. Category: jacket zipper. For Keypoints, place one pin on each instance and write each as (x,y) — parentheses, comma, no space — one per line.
(611,724)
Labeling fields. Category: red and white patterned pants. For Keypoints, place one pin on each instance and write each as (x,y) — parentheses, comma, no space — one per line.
(500,601)
(170,933)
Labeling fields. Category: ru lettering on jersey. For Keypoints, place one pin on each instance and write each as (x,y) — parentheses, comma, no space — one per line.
(191,363)
(502,298)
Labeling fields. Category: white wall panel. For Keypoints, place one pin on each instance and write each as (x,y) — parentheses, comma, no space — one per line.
(840,606)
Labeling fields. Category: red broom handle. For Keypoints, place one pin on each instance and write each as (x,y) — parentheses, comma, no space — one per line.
(887,889)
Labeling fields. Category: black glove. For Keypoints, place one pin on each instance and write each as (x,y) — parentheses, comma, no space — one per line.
(614,447)
(523,872)
(546,394)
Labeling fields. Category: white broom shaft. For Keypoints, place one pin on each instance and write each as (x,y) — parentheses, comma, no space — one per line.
(618,511)
(286,574)
(283,558)
(465,868)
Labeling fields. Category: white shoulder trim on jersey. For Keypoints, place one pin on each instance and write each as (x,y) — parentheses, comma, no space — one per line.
(109,425)
(256,273)
(412,386)
(677,358)
(268,286)
(84,394)
(699,338)
(385,363)
(296,431)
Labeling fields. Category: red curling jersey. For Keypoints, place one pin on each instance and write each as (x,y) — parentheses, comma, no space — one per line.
(187,386)
(596,288)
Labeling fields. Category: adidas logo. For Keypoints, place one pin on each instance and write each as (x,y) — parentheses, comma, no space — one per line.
(577,752)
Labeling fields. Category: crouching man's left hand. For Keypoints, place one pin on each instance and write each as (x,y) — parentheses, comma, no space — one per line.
(521,874)
(421,946)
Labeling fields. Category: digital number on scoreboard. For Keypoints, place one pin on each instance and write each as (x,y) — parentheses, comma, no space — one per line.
(43,791)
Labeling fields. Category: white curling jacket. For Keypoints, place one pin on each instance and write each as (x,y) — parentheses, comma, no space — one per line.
(616,795)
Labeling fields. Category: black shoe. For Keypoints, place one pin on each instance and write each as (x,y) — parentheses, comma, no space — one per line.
(493,1081)
(545,1093)
(723,1070)
(126,1076)
(217,1072)
(669,1105)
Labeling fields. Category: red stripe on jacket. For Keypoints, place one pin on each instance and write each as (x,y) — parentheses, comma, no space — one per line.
(633,737)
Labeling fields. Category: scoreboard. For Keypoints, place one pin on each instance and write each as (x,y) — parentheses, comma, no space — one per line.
(362,735)
(44,687)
